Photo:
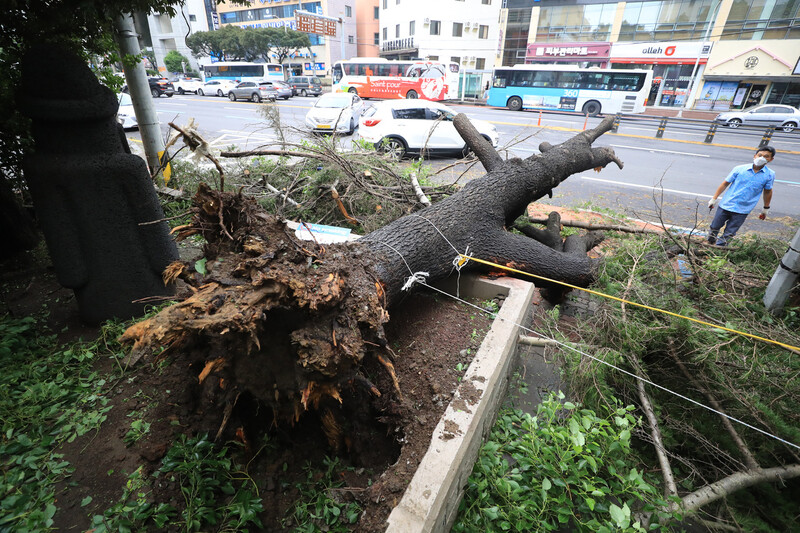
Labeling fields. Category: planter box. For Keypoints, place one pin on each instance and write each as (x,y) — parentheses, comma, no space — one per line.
(431,500)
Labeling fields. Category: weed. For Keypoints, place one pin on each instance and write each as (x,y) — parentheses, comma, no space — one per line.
(139,428)
(317,509)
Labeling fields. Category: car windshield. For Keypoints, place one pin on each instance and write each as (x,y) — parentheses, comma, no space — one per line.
(125,99)
(334,101)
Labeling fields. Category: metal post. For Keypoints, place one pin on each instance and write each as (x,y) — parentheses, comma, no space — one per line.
(136,77)
(784,278)
(661,127)
(710,135)
(767,137)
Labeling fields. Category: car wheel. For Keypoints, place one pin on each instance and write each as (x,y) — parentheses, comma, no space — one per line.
(734,123)
(303,93)
(395,148)
(255,97)
(155,93)
(181,92)
(352,126)
(231,96)
(412,95)
(591,108)
(285,97)
(514,103)
(220,93)
(789,127)
(352,90)
(169,95)
(200,92)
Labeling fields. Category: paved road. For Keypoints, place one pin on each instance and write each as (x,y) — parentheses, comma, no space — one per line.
(671,178)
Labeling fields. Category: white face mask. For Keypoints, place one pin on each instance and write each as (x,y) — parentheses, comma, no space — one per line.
(760,161)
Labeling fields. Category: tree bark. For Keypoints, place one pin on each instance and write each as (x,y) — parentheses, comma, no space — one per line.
(289,323)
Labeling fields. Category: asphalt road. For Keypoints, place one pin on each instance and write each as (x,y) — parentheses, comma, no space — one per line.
(669,179)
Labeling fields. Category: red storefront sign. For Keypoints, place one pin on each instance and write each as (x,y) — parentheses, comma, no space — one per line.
(311,24)
(568,52)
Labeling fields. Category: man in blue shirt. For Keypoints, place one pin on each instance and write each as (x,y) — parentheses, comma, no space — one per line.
(744,185)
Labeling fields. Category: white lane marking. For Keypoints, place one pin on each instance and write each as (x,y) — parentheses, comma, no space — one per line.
(651,187)
(243,118)
(656,150)
(171,103)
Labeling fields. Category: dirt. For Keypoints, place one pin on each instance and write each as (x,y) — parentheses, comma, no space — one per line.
(432,338)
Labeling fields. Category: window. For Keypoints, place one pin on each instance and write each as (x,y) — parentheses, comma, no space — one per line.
(486,2)
(377,38)
(411,28)
(385,2)
(397,31)
(433,58)
(483,32)
(192,18)
(436,27)
(458,29)
(455,59)
(348,11)
(351,39)
(385,34)
(414,114)
(480,63)
(376,14)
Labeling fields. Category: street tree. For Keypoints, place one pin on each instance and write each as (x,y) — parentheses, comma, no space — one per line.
(286,43)
(225,44)
(175,61)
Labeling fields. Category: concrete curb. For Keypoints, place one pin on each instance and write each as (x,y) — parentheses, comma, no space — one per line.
(431,500)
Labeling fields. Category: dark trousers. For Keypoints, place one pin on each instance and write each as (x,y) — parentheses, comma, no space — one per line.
(732,222)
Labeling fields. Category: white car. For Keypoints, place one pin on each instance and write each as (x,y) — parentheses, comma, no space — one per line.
(784,117)
(399,127)
(125,114)
(335,112)
(217,87)
(185,84)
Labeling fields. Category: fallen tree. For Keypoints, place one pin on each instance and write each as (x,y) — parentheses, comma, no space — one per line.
(288,323)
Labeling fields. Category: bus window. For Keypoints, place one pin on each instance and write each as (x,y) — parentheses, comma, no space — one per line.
(595,80)
(500,77)
(544,79)
(569,80)
(627,82)
(433,71)
(337,72)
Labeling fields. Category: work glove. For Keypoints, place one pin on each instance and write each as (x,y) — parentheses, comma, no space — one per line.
(712,203)
(763,214)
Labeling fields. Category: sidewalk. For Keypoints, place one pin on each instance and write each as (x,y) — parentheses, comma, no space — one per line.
(655,111)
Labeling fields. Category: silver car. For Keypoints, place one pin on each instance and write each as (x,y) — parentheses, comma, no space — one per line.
(284,89)
(784,117)
(255,91)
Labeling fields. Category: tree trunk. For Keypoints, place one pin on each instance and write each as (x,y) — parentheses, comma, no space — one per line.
(289,322)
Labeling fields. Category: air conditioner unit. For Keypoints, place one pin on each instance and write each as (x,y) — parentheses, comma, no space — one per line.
(471,59)
(427,21)
(467,24)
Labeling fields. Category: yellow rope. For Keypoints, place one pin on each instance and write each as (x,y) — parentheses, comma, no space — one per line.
(628,302)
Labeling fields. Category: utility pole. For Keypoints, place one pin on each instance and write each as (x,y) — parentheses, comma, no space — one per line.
(784,278)
(136,77)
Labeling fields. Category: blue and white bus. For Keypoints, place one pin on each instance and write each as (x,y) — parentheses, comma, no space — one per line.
(243,71)
(566,88)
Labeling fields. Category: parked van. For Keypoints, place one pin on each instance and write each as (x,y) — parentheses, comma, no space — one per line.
(305,85)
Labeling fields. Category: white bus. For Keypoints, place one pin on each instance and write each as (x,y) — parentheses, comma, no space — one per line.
(372,77)
(587,90)
(243,71)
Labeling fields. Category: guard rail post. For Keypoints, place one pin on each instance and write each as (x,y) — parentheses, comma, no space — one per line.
(661,127)
(615,126)
(711,131)
(767,137)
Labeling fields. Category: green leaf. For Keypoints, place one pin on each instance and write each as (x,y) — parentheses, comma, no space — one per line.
(546,484)
(200,266)
(589,503)
(86,501)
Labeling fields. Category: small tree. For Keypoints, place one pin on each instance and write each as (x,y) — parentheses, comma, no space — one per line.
(176,62)
(286,42)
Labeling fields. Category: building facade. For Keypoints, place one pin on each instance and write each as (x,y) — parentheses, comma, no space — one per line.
(281,13)
(463,31)
(368,39)
(164,34)
(686,43)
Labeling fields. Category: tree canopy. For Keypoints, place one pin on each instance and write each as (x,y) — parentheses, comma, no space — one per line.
(232,43)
